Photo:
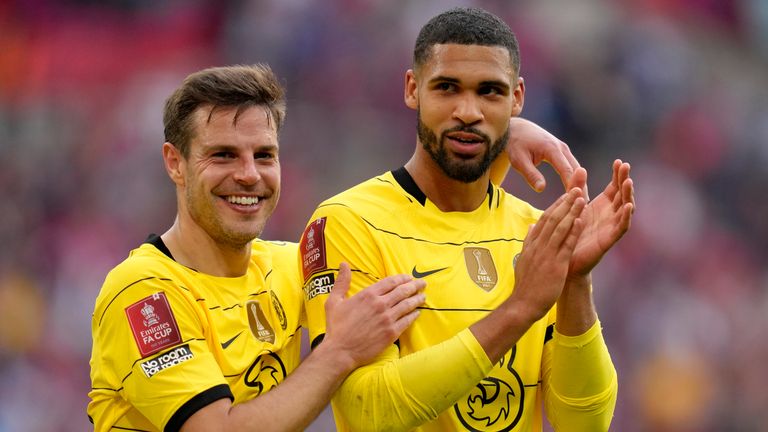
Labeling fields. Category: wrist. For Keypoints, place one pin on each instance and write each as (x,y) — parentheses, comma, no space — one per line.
(334,357)
(579,281)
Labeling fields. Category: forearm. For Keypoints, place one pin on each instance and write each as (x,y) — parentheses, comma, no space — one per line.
(502,328)
(394,393)
(290,406)
(580,382)
(575,307)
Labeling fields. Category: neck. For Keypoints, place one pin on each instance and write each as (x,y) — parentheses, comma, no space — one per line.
(194,248)
(444,192)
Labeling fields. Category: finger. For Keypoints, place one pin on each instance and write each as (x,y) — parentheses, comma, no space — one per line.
(626,217)
(405,322)
(534,230)
(343,280)
(569,244)
(625,220)
(628,191)
(622,176)
(568,155)
(579,180)
(404,291)
(557,215)
(532,175)
(563,163)
(387,284)
(565,226)
(408,305)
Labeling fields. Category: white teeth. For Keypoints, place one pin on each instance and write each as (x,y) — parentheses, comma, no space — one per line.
(242,200)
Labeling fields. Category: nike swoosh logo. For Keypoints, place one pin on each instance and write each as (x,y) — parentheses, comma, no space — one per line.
(418,275)
(226,344)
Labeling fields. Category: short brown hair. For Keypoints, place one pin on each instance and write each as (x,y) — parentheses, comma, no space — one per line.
(229,86)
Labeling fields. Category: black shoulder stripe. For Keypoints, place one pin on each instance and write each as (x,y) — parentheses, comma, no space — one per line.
(193,405)
(316,341)
(549,333)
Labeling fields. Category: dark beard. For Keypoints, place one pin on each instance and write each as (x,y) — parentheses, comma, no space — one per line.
(455,168)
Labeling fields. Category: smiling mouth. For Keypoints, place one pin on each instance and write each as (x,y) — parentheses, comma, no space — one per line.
(242,200)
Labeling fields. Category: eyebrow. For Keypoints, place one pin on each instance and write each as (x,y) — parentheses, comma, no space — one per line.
(215,148)
(494,83)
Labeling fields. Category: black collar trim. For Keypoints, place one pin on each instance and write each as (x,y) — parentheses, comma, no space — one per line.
(404,179)
(158,242)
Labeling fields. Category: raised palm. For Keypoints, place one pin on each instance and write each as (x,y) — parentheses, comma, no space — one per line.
(605,218)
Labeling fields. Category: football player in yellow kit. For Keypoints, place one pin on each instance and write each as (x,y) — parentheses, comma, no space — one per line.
(509,323)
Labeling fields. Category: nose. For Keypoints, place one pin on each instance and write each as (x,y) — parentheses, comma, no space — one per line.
(468,109)
(247,173)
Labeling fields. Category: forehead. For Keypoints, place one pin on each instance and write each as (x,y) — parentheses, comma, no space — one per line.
(228,125)
(457,61)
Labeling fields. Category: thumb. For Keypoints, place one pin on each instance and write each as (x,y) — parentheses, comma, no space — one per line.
(341,286)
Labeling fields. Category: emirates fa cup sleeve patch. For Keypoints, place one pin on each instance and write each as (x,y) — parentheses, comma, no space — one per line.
(313,248)
(153,324)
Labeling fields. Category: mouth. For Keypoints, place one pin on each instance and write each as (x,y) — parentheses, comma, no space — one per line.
(465,144)
(242,200)
(244,204)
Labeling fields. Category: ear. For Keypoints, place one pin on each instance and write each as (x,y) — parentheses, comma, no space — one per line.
(174,163)
(411,90)
(518,94)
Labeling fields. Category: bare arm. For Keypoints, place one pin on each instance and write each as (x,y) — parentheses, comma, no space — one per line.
(359,328)
(529,145)
(606,219)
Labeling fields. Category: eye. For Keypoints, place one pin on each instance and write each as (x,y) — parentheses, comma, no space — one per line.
(490,90)
(445,86)
(263,155)
(224,155)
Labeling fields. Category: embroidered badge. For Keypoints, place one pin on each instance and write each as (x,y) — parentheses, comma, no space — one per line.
(258,322)
(480,267)
(313,248)
(278,310)
(153,324)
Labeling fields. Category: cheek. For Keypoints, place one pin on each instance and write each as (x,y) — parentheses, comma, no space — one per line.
(271,177)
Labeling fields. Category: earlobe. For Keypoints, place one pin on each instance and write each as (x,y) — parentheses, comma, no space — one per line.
(173,163)
(411,94)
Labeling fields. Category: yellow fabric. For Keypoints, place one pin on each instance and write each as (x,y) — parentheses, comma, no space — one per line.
(583,384)
(209,311)
(418,377)
(381,229)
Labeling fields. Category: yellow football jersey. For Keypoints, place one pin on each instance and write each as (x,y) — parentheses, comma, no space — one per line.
(387,226)
(168,340)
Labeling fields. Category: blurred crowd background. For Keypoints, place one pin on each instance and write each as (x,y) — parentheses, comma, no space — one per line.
(676,87)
